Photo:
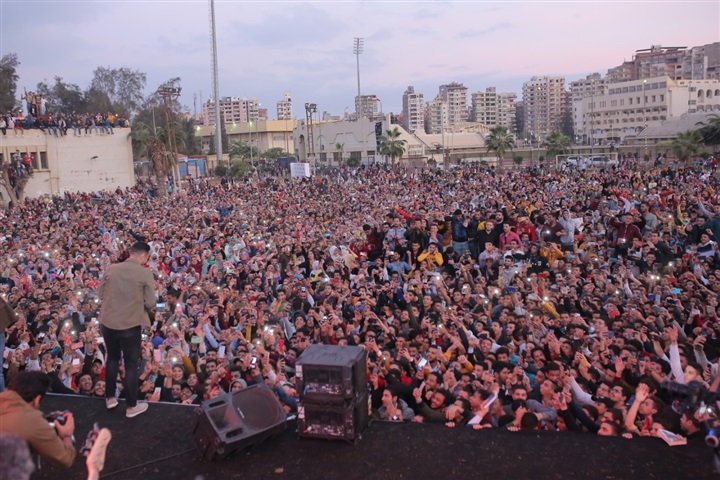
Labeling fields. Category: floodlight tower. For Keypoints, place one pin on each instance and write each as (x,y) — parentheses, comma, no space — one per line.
(216,86)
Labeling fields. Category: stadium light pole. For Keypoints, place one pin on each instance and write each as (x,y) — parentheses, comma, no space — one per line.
(358,44)
(216,86)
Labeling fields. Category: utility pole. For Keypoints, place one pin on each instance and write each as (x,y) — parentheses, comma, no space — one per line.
(169,94)
(357,50)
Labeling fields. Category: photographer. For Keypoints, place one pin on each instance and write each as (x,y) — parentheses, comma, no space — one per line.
(20,415)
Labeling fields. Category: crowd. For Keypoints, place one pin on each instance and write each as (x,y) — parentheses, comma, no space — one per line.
(58,123)
(572,296)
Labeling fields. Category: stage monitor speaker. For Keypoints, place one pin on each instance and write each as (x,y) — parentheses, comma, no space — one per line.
(237,420)
(334,421)
(327,374)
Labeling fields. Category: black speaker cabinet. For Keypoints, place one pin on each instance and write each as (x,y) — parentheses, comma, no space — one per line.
(331,374)
(344,421)
(235,421)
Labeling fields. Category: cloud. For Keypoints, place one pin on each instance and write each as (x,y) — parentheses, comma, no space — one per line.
(498,27)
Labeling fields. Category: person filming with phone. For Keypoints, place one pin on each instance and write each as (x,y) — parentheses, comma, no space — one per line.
(51,436)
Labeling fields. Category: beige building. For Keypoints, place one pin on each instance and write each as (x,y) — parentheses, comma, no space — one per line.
(73,164)
(546,103)
(413,110)
(588,87)
(232,110)
(368,106)
(626,108)
(454,95)
(263,134)
(492,109)
(436,116)
(284,107)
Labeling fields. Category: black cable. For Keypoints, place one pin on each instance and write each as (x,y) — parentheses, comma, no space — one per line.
(146,463)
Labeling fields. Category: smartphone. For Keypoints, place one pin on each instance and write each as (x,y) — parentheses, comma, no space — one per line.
(491,371)
(710,309)
(100,340)
(159,305)
(657,309)
(157,391)
(195,340)
(511,289)
(221,351)
(157,355)
(675,291)
(422,363)
(490,400)
(76,361)
(253,362)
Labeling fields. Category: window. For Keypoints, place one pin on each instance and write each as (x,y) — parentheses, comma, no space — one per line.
(622,102)
(43,161)
(662,98)
(653,98)
(630,101)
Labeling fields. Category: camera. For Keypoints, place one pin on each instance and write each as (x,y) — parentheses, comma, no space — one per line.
(58,416)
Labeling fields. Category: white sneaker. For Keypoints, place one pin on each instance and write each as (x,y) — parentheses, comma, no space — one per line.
(136,410)
(111,403)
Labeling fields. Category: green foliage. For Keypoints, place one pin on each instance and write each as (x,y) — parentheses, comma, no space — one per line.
(122,87)
(274,153)
(710,130)
(63,97)
(241,151)
(392,145)
(687,145)
(557,144)
(499,140)
(221,170)
(353,161)
(518,159)
(240,169)
(8,81)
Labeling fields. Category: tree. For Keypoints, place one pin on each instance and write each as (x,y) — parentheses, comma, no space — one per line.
(392,145)
(273,153)
(241,150)
(557,144)
(123,87)
(13,184)
(340,149)
(710,129)
(687,145)
(8,81)
(63,97)
(499,140)
(149,143)
(566,125)
(518,159)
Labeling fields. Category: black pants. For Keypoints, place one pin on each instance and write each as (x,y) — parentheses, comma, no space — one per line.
(128,343)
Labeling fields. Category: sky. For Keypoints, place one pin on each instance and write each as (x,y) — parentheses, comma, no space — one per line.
(268,47)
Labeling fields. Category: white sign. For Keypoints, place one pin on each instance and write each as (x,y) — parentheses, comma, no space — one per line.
(299,170)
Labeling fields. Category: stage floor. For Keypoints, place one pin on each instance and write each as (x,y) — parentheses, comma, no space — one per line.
(147,447)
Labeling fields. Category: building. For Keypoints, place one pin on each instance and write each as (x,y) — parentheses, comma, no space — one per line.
(436,116)
(262,134)
(494,109)
(73,164)
(413,110)
(546,103)
(520,119)
(678,63)
(232,110)
(625,109)
(589,87)
(367,106)
(455,97)
(284,107)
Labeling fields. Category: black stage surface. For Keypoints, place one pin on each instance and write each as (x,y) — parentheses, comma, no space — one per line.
(159,445)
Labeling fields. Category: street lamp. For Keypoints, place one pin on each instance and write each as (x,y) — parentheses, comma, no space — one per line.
(592,116)
(250,124)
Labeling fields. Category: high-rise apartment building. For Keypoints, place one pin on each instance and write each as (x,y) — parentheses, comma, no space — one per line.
(367,105)
(679,63)
(232,110)
(546,103)
(413,110)
(455,97)
(284,107)
(493,109)
(436,116)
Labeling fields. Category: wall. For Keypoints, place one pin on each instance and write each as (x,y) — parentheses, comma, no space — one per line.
(69,161)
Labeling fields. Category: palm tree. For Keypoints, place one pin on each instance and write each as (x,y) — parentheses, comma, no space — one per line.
(392,145)
(499,140)
(710,129)
(151,144)
(687,145)
(340,148)
(557,144)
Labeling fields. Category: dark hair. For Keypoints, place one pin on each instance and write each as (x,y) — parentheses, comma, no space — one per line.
(30,384)
(139,248)
(529,421)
